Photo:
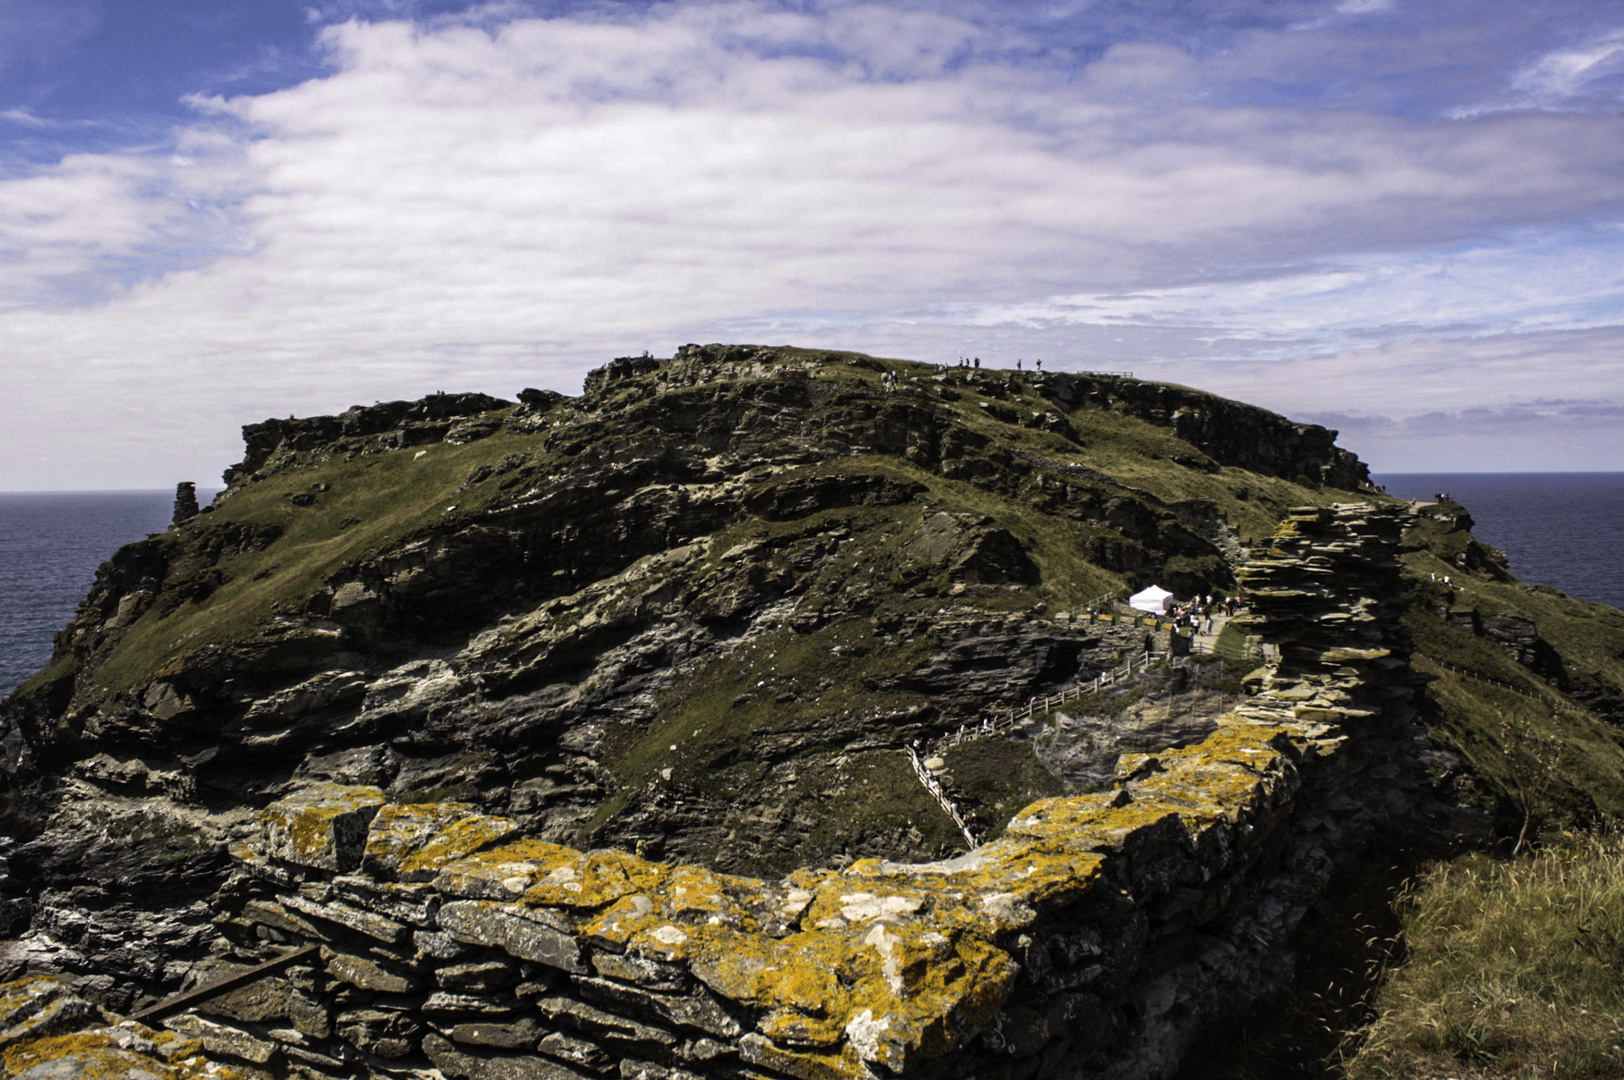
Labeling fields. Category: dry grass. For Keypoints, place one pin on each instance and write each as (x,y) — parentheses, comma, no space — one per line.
(1514,969)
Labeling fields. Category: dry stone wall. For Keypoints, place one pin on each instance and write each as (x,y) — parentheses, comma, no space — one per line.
(1093,939)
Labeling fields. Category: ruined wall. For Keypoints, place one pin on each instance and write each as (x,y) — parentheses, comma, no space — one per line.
(1092,939)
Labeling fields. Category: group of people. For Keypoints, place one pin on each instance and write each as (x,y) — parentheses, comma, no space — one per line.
(975,362)
(1198,613)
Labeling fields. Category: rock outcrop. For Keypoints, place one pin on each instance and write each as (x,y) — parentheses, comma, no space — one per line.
(1090,940)
(696,610)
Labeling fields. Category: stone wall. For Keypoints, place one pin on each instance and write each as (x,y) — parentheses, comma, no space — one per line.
(1093,939)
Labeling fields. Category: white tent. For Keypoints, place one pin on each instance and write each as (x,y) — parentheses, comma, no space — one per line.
(1150,599)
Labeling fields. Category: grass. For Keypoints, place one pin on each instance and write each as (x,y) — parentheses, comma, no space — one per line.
(1514,968)
(715,729)
(371,504)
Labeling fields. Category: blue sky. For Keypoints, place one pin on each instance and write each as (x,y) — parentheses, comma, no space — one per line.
(1404,220)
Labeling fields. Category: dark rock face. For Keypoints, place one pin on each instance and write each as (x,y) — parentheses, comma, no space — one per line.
(1091,940)
(697,609)
(185,502)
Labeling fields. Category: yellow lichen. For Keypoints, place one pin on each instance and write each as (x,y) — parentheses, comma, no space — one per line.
(416,840)
(503,872)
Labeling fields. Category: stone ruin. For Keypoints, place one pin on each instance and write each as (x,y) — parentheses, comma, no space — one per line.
(186,507)
(1095,938)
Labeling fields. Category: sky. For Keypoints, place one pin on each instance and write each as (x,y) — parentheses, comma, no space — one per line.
(1400,219)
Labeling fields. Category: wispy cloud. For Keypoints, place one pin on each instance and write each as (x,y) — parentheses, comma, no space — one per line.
(491,200)
(1569,73)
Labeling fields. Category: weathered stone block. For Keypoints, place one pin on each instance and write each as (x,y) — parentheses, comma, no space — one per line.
(576,1051)
(413,843)
(381,1032)
(518,1034)
(503,873)
(323,826)
(368,974)
(352,918)
(699,1010)
(648,1070)
(481,976)
(408,903)
(597,1022)
(803,1065)
(635,968)
(39,1006)
(453,1060)
(521,932)
(224,1039)
(476,1004)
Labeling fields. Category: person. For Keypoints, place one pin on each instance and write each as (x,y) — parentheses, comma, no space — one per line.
(1017,363)
(978,361)
(1038,363)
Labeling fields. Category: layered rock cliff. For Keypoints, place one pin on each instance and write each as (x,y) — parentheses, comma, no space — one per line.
(1090,941)
(692,612)
(698,614)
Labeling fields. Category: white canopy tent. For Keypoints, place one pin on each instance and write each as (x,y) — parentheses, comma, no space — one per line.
(1150,599)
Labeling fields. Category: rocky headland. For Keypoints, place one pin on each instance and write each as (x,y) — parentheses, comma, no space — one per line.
(696,615)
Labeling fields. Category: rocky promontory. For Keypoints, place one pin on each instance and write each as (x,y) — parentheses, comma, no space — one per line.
(696,615)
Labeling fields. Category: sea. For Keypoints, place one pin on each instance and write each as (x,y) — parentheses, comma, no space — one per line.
(50,546)
(1558,529)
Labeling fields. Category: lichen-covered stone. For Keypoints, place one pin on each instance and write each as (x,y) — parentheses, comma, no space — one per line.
(502,873)
(40,1006)
(48,1033)
(414,842)
(883,968)
(224,1040)
(323,826)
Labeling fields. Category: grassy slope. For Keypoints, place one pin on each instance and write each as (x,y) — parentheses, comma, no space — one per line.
(372,504)
(378,500)
(1514,969)
(1566,761)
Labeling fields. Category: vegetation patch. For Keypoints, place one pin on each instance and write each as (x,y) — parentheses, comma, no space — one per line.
(1514,968)
(998,778)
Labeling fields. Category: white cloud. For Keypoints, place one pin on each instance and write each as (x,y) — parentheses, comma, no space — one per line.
(491,205)
(1551,279)
(1566,73)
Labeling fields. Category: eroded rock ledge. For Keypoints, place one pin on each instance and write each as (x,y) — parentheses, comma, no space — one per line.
(1093,939)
